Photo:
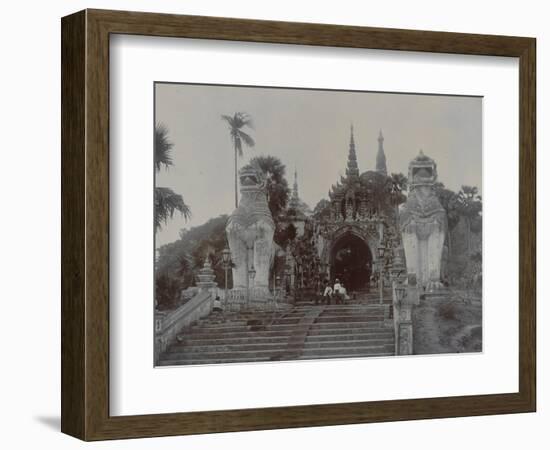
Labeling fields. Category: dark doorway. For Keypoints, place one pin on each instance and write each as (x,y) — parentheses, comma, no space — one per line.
(351,262)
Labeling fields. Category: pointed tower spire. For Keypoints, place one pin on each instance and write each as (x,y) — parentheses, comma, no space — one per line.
(380,156)
(295,198)
(352,169)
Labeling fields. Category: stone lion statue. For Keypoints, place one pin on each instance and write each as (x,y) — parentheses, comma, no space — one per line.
(250,230)
(423,223)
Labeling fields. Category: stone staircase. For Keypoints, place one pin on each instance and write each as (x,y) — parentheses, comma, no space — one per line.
(304,331)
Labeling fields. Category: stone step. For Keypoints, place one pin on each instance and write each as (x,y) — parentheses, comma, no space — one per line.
(338,344)
(243,315)
(293,321)
(340,307)
(295,318)
(351,336)
(236,354)
(274,336)
(226,348)
(349,330)
(365,324)
(248,359)
(285,328)
(329,318)
(348,356)
(193,336)
(349,318)
(334,352)
(210,347)
(199,361)
(232,340)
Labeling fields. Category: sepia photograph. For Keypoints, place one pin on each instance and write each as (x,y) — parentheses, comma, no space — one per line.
(305,224)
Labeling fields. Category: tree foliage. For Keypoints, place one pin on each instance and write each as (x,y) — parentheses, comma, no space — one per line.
(322,210)
(396,186)
(284,233)
(236,123)
(182,259)
(449,201)
(167,202)
(274,173)
(167,291)
(163,148)
(469,202)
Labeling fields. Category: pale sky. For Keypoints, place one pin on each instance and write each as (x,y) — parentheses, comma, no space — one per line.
(308,130)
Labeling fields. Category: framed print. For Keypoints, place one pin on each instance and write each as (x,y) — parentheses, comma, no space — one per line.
(272,225)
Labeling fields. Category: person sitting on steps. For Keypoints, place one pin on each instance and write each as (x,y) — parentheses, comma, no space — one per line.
(327,295)
(217,305)
(336,290)
(343,293)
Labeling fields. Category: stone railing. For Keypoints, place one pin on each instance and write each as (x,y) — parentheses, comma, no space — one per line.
(167,326)
(402,315)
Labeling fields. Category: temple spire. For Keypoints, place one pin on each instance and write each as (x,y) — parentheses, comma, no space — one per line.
(352,169)
(380,156)
(295,198)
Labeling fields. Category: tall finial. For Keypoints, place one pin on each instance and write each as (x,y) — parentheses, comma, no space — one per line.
(295,198)
(380,156)
(352,169)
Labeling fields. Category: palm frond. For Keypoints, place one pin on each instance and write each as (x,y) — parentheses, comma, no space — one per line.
(245,120)
(228,119)
(167,202)
(163,147)
(247,139)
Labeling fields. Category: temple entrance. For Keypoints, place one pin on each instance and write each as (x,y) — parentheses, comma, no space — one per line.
(351,262)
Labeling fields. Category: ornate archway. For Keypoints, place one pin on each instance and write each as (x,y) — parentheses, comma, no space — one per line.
(351,261)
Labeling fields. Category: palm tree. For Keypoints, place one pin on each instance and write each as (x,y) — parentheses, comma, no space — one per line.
(469,202)
(235,123)
(163,147)
(277,190)
(450,202)
(397,184)
(167,202)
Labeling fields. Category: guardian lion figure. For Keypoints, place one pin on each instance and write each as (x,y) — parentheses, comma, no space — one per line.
(250,230)
(423,223)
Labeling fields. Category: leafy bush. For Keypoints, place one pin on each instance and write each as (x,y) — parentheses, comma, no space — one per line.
(167,291)
(447,311)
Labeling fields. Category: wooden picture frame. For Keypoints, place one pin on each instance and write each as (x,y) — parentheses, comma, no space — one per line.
(85,224)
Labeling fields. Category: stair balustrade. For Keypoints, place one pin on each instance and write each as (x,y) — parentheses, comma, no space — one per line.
(167,326)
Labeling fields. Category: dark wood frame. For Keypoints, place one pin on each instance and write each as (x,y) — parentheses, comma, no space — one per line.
(85,224)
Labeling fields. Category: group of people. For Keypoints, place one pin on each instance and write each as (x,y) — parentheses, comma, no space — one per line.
(336,293)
